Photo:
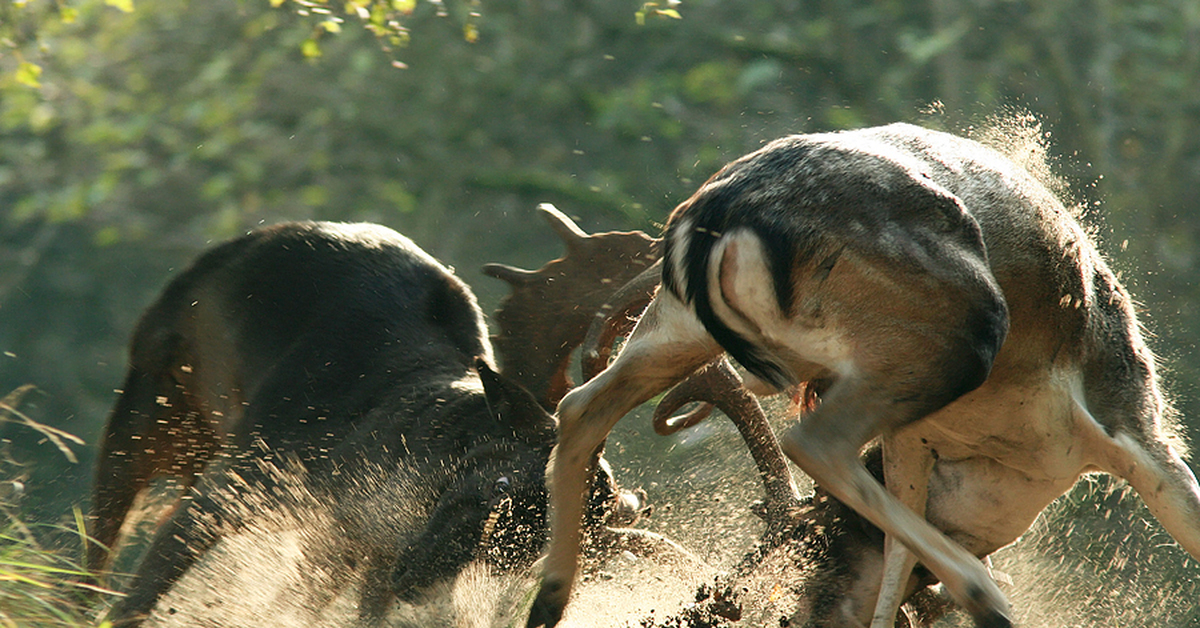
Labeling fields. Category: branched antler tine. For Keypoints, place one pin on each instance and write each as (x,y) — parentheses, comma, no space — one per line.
(719,385)
(616,318)
(665,425)
(569,232)
(547,314)
(509,274)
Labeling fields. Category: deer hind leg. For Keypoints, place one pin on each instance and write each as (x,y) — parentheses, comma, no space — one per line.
(668,344)
(898,371)
(902,342)
(825,446)
(907,464)
(122,469)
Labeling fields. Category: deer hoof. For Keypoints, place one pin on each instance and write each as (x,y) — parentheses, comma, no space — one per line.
(993,619)
(631,507)
(985,615)
(548,606)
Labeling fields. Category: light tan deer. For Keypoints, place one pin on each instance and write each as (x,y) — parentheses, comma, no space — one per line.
(938,296)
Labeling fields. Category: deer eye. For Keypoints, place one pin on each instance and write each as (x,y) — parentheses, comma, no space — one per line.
(500,486)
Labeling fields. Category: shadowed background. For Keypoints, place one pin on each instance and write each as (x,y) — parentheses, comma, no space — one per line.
(151,133)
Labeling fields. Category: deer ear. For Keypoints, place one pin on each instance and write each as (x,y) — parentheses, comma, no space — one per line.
(511,404)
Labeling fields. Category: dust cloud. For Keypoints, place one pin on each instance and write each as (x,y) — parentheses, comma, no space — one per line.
(1095,558)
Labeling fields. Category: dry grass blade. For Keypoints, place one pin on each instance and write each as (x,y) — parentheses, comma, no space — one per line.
(40,585)
(10,413)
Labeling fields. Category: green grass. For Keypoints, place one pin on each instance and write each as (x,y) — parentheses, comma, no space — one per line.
(40,585)
(42,579)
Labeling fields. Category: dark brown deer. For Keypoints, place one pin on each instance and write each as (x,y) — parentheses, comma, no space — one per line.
(937,295)
(345,349)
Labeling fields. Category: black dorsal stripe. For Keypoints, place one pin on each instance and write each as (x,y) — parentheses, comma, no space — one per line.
(695,291)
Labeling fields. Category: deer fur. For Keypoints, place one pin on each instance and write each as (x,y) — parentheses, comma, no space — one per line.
(956,308)
(347,349)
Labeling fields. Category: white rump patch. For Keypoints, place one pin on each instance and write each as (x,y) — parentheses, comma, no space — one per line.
(742,291)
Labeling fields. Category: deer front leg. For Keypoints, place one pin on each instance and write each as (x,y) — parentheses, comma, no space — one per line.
(192,530)
(667,345)
(155,429)
(907,463)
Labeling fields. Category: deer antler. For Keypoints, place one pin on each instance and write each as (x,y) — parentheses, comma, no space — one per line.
(549,311)
(616,319)
(601,286)
(719,385)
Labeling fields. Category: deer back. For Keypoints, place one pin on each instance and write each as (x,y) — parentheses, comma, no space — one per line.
(345,348)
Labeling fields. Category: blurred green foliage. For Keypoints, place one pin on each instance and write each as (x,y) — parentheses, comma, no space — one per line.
(132,135)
